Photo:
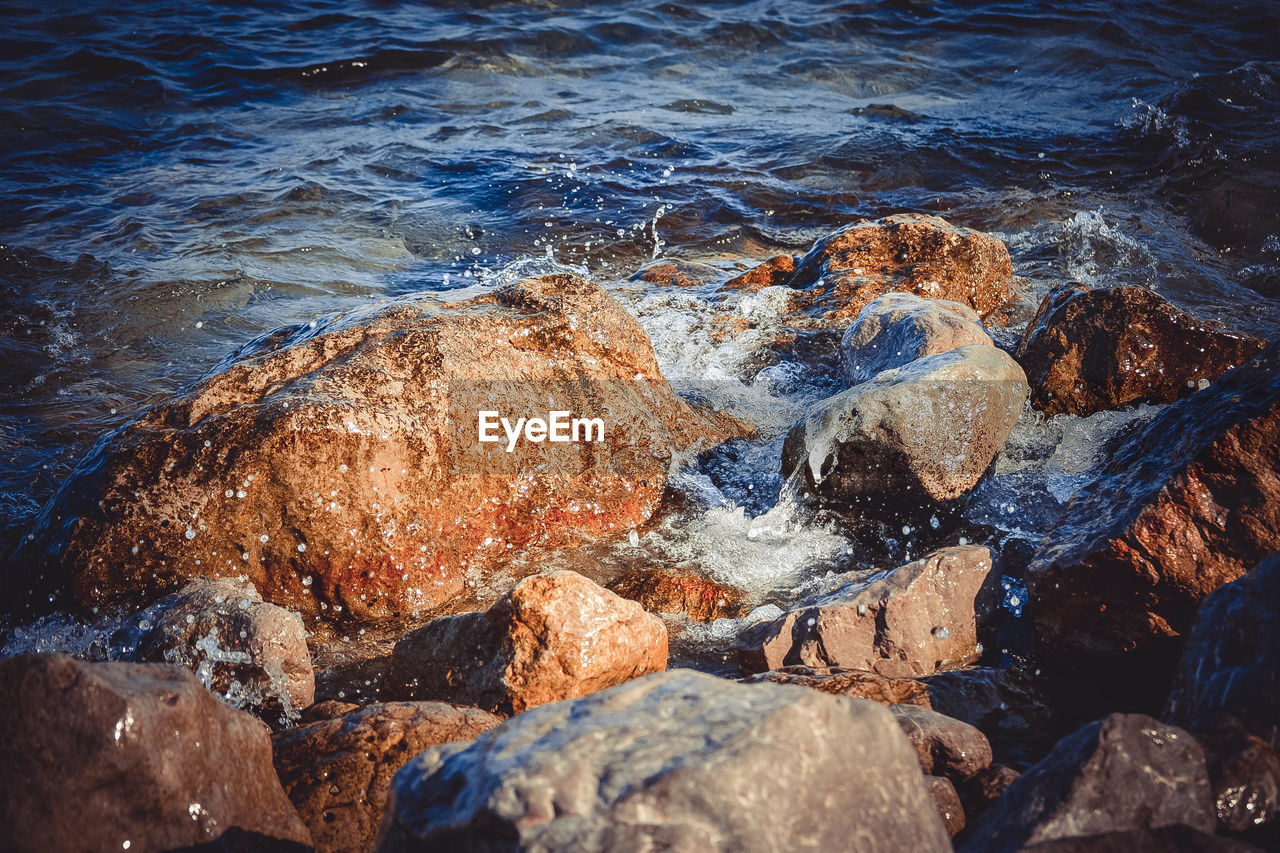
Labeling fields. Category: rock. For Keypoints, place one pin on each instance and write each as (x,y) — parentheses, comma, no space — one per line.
(997,701)
(554,636)
(1125,772)
(1190,501)
(948,801)
(916,619)
(857,683)
(678,273)
(987,786)
(338,772)
(327,710)
(253,654)
(910,252)
(678,761)
(1245,774)
(946,747)
(911,437)
(111,756)
(895,329)
(661,591)
(774,272)
(1165,839)
(337,465)
(1090,350)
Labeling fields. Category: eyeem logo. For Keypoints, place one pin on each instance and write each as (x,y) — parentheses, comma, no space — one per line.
(560,426)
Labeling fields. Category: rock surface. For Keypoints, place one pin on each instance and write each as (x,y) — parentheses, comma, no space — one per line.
(1244,771)
(895,329)
(554,636)
(911,437)
(996,701)
(338,772)
(337,465)
(979,792)
(774,272)
(946,747)
(661,591)
(1190,501)
(856,683)
(1165,839)
(679,761)
(112,756)
(1125,772)
(677,273)
(948,802)
(1090,350)
(913,620)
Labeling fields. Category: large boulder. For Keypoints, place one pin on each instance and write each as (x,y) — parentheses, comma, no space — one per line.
(1189,501)
(139,757)
(895,329)
(1125,772)
(1089,350)
(916,619)
(911,437)
(338,772)
(554,636)
(337,465)
(678,761)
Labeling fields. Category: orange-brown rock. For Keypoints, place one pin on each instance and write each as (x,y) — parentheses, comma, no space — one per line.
(337,465)
(776,271)
(1090,350)
(700,598)
(858,683)
(678,273)
(948,801)
(554,636)
(338,772)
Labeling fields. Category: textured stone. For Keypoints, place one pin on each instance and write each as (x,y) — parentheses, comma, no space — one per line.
(1165,839)
(950,808)
(661,591)
(895,329)
(1244,771)
(946,746)
(857,683)
(996,701)
(678,761)
(673,272)
(554,636)
(776,271)
(987,786)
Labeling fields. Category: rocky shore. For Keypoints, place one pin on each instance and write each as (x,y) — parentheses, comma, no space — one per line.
(521,695)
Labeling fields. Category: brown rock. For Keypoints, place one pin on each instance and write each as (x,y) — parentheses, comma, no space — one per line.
(660,591)
(337,465)
(949,807)
(987,786)
(776,271)
(113,756)
(555,636)
(678,273)
(857,683)
(1189,502)
(916,619)
(338,772)
(895,329)
(1245,774)
(1090,350)
(327,710)
(947,747)
(997,701)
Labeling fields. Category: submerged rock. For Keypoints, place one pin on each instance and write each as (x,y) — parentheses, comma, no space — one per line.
(1090,350)
(338,772)
(661,591)
(554,636)
(913,620)
(121,756)
(337,465)
(911,437)
(856,683)
(945,746)
(895,329)
(678,761)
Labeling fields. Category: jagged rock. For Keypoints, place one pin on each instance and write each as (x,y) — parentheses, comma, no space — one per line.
(776,271)
(950,808)
(1089,350)
(857,683)
(895,329)
(111,756)
(661,591)
(946,747)
(554,636)
(1245,773)
(678,761)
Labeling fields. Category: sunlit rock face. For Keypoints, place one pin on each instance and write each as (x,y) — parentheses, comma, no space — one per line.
(895,329)
(337,465)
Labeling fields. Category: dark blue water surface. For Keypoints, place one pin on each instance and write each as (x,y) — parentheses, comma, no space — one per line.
(177,179)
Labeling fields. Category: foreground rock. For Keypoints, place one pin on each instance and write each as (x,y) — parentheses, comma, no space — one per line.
(555,636)
(679,761)
(139,757)
(337,465)
(946,746)
(1090,350)
(338,772)
(1166,839)
(855,683)
(700,598)
(1125,772)
(895,329)
(1190,501)
(916,619)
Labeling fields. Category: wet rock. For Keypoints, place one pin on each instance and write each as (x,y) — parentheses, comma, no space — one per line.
(252,653)
(910,252)
(111,756)
(1089,350)
(677,273)
(338,772)
(1190,501)
(997,701)
(911,437)
(895,329)
(1125,772)
(554,636)
(946,747)
(776,271)
(675,761)
(327,710)
(984,788)
(337,465)
(1165,839)
(856,683)
(948,802)
(1244,771)
(660,591)
(915,619)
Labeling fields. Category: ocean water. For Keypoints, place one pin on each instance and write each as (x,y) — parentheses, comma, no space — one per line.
(175,181)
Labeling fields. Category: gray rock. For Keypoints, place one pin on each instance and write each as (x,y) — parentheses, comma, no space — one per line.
(997,701)
(895,329)
(679,761)
(1166,839)
(946,747)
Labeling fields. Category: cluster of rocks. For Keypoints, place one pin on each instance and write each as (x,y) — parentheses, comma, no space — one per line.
(327,471)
